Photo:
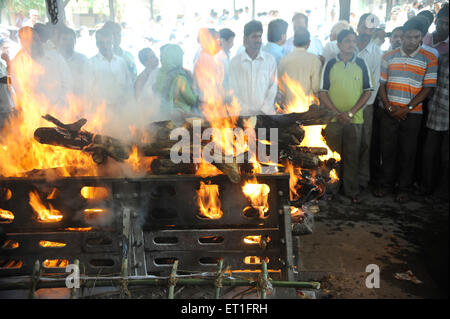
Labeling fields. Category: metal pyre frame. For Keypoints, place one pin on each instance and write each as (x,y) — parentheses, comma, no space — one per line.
(150,229)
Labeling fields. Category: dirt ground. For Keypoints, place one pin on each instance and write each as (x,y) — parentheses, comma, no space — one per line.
(396,237)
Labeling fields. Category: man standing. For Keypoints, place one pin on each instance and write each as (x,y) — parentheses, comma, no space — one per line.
(253,74)
(37,71)
(276,37)
(408,75)
(345,88)
(371,53)
(223,57)
(208,73)
(300,66)
(395,39)
(110,80)
(439,38)
(301,20)
(77,62)
(436,142)
(116,31)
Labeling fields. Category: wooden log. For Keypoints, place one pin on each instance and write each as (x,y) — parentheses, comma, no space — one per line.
(301,159)
(314,150)
(162,166)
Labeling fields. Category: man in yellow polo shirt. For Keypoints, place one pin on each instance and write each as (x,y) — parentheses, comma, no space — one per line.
(345,87)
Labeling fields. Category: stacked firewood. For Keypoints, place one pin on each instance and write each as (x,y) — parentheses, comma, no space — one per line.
(101,147)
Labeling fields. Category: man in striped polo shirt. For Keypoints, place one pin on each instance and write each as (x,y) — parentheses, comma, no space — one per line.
(345,88)
(408,75)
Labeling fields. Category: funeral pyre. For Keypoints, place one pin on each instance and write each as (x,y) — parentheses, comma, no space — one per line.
(45,166)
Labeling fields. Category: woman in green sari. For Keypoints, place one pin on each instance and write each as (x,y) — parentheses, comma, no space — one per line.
(174,84)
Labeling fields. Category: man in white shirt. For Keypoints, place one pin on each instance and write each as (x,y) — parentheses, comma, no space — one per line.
(110,80)
(116,31)
(301,20)
(77,62)
(223,57)
(276,37)
(40,72)
(331,49)
(208,73)
(253,74)
(371,53)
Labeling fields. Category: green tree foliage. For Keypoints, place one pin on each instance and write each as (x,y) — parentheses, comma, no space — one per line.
(25,5)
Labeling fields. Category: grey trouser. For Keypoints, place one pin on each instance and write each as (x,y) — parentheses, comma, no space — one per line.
(346,140)
(364,159)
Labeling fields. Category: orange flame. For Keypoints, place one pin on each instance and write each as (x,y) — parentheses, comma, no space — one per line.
(79,229)
(254,240)
(6,216)
(46,215)
(18,134)
(293,180)
(55,263)
(46,243)
(299,103)
(258,195)
(91,192)
(208,201)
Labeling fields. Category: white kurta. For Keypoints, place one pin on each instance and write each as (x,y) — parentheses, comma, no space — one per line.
(254,82)
(48,76)
(110,82)
(79,67)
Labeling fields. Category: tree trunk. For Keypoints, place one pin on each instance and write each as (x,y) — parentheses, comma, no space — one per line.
(152,12)
(112,15)
(253,9)
(388,10)
(344,10)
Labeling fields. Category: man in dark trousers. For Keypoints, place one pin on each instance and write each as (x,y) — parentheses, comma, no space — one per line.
(408,75)
(345,87)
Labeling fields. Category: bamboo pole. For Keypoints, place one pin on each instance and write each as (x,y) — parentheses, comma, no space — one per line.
(173,280)
(218,282)
(73,291)
(35,278)
(264,280)
(105,282)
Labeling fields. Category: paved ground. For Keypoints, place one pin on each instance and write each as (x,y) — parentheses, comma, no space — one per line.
(396,237)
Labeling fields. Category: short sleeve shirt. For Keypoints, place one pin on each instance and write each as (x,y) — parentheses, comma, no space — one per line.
(406,75)
(345,82)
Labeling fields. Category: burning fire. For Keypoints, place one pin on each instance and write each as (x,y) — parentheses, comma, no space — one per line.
(46,215)
(91,192)
(18,134)
(79,229)
(300,103)
(6,216)
(55,263)
(255,240)
(258,195)
(208,201)
(46,243)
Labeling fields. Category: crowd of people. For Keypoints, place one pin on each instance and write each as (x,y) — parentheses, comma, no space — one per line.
(390,107)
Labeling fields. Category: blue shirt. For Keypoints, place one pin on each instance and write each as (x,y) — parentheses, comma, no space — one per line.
(275,50)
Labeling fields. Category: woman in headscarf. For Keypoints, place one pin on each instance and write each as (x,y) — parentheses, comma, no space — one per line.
(174,84)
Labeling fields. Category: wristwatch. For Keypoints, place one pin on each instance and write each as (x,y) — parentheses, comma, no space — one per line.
(350,115)
(410,107)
